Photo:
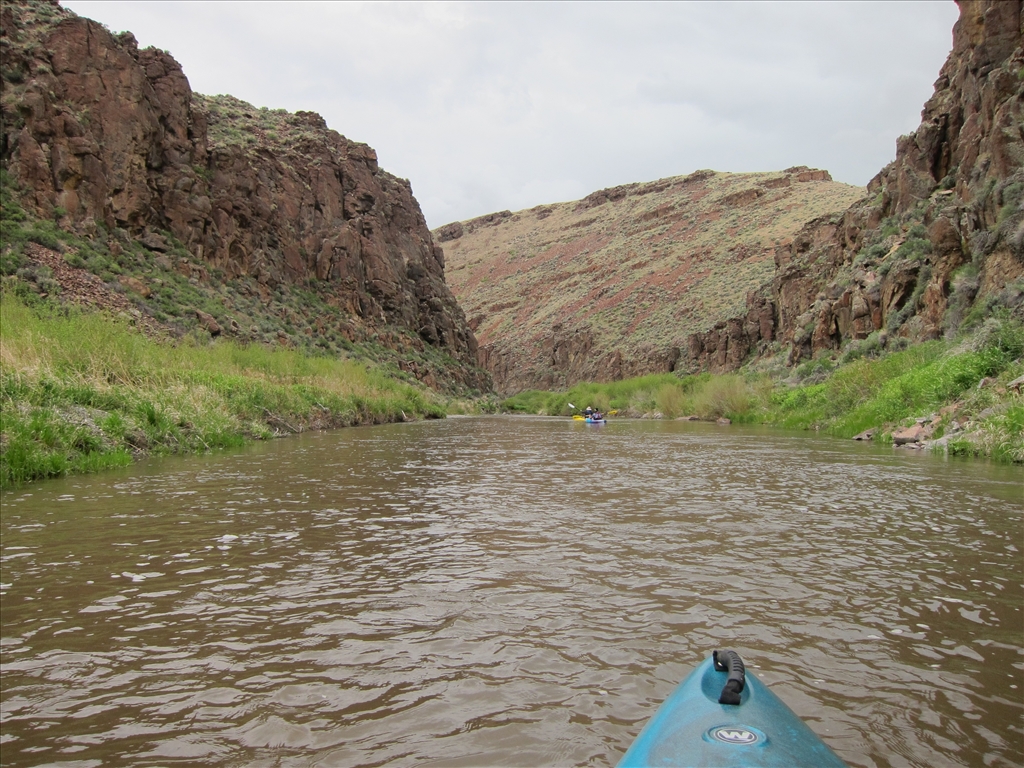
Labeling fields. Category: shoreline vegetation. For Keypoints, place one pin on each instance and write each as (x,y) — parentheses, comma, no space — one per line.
(82,391)
(961,397)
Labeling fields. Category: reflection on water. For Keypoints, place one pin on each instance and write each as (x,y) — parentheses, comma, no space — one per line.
(508,592)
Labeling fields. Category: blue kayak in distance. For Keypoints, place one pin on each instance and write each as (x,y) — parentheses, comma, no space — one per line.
(722,717)
(595,421)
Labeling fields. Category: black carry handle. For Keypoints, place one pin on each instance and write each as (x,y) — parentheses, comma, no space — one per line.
(730,661)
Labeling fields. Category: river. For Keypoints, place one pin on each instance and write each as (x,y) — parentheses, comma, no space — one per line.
(508,592)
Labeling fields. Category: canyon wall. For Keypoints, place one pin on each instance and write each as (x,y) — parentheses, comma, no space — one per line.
(611,286)
(110,141)
(938,240)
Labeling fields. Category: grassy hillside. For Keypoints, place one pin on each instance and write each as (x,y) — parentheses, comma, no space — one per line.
(642,264)
(967,394)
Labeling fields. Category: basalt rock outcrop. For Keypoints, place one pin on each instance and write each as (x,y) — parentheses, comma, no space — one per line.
(939,239)
(110,142)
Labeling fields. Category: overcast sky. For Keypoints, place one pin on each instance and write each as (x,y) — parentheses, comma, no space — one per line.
(488,106)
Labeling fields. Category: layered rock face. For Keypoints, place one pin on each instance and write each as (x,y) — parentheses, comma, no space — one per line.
(108,138)
(940,236)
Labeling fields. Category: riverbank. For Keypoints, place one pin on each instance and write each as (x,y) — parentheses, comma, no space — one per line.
(81,391)
(962,397)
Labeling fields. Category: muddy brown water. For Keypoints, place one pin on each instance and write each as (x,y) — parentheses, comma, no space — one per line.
(508,592)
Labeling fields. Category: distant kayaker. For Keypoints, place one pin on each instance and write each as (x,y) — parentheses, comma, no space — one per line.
(589,411)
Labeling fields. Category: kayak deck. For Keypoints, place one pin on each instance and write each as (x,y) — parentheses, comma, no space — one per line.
(693,729)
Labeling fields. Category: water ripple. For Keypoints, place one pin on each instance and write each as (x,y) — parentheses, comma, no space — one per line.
(508,592)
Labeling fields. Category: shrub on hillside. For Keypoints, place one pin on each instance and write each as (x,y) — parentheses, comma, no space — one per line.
(858,348)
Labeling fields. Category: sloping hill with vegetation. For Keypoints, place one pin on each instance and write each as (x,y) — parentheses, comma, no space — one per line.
(613,285)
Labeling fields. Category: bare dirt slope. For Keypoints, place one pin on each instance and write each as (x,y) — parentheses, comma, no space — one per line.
(614,284)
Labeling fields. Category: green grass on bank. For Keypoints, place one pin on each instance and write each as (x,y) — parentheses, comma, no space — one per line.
(80,392)
(638,392)
(937,379)
(658,395)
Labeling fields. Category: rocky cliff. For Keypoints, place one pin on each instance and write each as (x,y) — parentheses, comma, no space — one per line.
(937,244)
(110,142)
(611,286)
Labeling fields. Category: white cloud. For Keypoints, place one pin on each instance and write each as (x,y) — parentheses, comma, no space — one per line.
(486,106)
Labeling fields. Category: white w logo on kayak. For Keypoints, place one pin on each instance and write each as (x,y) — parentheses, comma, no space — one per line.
(734,735)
